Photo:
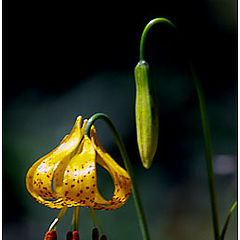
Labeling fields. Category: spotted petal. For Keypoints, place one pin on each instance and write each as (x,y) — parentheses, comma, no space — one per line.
(67,175)
(121,179)
(40,175)
(79,186)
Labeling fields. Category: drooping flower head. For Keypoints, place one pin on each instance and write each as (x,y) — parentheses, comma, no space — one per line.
(66,177)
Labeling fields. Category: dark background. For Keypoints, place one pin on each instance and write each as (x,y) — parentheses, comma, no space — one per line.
(61,60)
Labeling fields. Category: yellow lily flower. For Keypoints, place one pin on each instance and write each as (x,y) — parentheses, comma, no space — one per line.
(67,175)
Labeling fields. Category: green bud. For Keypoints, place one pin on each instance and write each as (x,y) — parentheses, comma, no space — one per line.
(146,115)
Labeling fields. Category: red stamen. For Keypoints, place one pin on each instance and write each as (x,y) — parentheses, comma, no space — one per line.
(103,237)
(69,235)
(51,235)
(95,234)
(76,235)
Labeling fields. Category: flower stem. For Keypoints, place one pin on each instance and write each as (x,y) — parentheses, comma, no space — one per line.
(227,221)
(205,127)
(128,166)
(208,155)
(145,31)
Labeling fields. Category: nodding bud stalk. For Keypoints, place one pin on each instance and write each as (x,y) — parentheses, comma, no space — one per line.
(146,115)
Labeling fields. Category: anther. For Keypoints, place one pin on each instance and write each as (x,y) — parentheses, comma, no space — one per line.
(95,234)
(76,235)
(69,235)
(51,235)
(103,237)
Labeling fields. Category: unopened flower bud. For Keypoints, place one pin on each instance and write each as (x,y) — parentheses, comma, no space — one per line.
(146,115)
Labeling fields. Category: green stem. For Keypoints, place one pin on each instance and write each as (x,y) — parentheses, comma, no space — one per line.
(227,221)
(57,219)
(205,126)
(76,218)
(128,166)
(208,155)
(95,220)
(73,220)
(145,31)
